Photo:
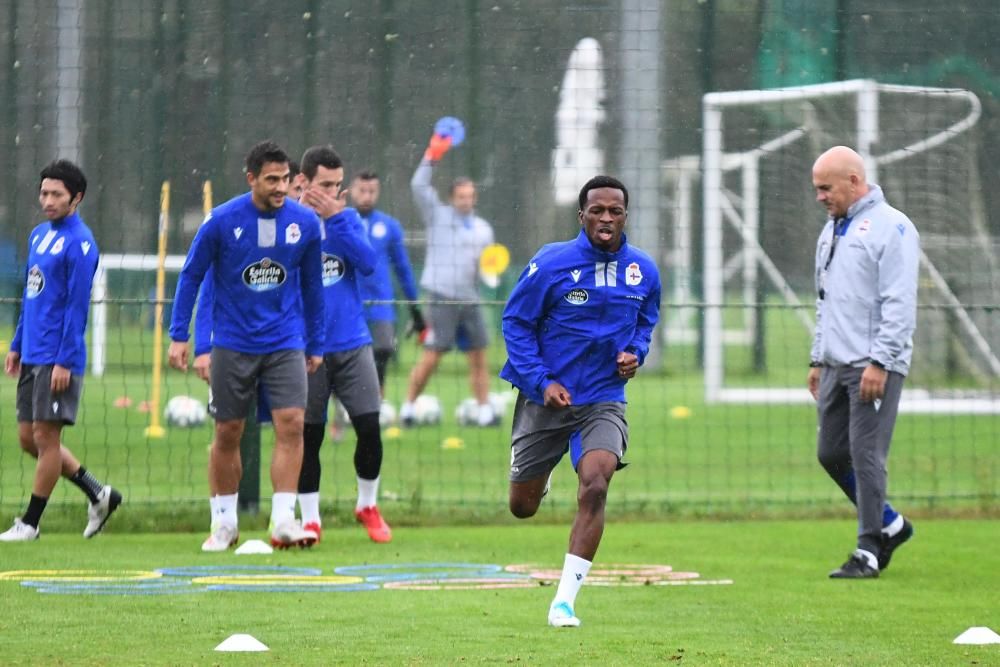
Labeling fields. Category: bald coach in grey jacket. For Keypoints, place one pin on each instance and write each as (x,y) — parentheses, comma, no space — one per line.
(867,263)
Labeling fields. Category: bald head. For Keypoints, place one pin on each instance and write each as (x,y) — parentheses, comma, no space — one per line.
(839,178)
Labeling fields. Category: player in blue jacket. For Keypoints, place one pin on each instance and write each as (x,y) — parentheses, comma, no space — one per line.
(348,370)
(264,254)
(386,236)
(48,354)
(577,326)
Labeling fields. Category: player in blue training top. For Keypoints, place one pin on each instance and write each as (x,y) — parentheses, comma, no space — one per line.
(577,326)
(348,370)
(264,254)
(48,354)
(386,236)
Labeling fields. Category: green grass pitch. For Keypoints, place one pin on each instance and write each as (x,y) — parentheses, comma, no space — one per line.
(781,608)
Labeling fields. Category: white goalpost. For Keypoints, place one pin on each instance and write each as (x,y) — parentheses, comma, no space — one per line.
(99,297)
(758,147)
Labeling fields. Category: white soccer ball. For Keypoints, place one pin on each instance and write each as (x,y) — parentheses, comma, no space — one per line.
(185,412)
(427,410)
(386,415)
(467,412)
(500,401)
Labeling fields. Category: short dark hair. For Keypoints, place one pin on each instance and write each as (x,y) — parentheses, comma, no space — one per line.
(602,182)
(262,153)
(293,169)
(319,156)
(367,175)
(459,182)
(70,175)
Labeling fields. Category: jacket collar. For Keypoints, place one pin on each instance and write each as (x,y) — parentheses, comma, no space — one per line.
(874,196)
(70,220)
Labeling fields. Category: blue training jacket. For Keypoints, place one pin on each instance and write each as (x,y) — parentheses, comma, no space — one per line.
(203,316)
(62,260)
(347,255)
(386,237)
(574,308)
(267,277)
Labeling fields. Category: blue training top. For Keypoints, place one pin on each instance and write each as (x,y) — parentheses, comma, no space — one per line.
(347,255)
(267,278)
(386,237)
(574,308)
(62,260)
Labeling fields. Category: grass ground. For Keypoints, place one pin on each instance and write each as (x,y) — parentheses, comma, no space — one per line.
(781,609)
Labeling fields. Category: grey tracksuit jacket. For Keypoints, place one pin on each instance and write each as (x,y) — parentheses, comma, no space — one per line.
(454,242)
(869,304)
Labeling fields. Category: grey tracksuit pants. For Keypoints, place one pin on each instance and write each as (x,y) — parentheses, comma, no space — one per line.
(854,435)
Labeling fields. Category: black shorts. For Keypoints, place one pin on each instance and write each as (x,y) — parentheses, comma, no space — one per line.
(37,403)
(541,436)
(234,378)
(351,377)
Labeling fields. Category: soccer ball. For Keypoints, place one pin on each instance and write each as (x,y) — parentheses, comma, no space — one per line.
(386,415)
(499,400)
(185,412)
(427,410)
(467,412)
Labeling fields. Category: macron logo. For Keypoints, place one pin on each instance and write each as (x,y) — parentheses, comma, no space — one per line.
(85,247)
(532,269)
(238,232)
(576,275)
(579,576)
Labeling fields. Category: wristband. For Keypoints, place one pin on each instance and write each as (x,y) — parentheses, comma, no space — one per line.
(815,364)
(877,364)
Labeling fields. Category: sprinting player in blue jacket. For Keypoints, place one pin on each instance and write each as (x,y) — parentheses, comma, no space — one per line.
(264,253)
(348,369)
(386,237)
(577,326)
(48,354)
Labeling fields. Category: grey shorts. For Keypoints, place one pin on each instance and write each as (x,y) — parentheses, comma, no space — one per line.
(445,319)
(37,403)
(351,377)
(540,435)
(234,378)
(383,335)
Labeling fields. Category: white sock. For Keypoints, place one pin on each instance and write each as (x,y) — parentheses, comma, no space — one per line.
(309,503)
(367,493)
(574,571)
(406,410)
(224,509)
(282,508)
(485,414)
(895,526)
(868,556)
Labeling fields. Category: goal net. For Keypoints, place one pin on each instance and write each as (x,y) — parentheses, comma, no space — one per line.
(761,221)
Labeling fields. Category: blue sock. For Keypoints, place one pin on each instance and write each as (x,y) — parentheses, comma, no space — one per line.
(848,484)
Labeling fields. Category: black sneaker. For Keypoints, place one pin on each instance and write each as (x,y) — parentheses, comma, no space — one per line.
(890,544)
(856,567)
(98,513)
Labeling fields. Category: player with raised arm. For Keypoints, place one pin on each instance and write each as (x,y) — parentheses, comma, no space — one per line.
(577,325)
(348,369)
(386,237)
(48,354)
(456,238)
(264,254)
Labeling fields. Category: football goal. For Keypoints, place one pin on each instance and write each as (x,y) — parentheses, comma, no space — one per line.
(760,223)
